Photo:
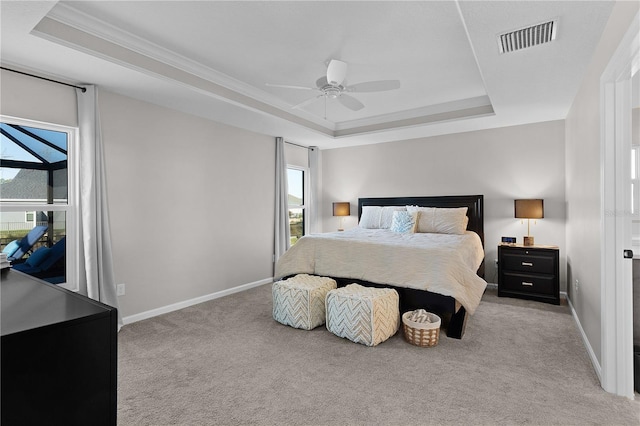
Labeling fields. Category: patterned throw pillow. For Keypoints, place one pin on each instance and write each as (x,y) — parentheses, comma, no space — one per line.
(386,215)
(404,222)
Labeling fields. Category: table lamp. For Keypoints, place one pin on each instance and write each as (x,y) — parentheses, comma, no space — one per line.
(529,209)
(341,210)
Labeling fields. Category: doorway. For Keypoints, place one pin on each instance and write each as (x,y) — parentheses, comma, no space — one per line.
(635,221)
(618,197)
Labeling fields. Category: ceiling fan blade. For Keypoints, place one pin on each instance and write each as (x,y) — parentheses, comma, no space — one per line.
(374,86)
(351,102)
(286,86)
(307,102)
(336,72)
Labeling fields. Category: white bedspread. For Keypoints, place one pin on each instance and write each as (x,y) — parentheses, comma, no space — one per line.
(440,263)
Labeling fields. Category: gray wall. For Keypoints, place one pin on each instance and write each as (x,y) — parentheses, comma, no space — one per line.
(39,100)
(191,203)
(191,200)
(502,164)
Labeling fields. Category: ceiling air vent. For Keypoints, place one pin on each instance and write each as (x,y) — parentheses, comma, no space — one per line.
(527,37)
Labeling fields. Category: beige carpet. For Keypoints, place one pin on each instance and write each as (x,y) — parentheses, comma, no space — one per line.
(227,362)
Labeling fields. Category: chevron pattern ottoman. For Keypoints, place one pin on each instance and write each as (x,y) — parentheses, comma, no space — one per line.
(299,300)
(364,315)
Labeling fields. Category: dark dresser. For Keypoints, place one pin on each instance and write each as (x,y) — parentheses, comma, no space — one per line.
(529,272)
(59,355)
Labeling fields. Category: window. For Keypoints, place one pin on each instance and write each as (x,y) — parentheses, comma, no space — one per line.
(36,197)
(297,183)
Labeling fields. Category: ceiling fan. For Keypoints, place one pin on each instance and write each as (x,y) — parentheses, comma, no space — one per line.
(331,87)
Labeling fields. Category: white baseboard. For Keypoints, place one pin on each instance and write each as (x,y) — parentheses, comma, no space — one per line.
(587,345)
(185,304)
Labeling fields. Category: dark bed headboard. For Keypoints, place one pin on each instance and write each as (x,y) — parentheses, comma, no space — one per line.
(474,203)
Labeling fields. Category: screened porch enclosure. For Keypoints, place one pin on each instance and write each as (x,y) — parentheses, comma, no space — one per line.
(33,183)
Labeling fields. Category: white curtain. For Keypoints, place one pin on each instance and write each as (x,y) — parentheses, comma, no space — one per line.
(282,231)
(95,257)
(314,201)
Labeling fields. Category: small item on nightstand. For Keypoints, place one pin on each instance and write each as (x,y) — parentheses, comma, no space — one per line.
(509,240)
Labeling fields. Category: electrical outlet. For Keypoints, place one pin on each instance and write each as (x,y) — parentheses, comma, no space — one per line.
(575,286)
(496,262)
(120,290)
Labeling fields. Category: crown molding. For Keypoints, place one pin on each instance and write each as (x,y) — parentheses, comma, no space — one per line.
(66,14)
(416,113)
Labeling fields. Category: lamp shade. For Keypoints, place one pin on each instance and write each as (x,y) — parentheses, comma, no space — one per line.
(529,209)
(341,209)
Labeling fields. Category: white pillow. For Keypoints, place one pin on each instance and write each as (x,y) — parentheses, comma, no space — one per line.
(370,218)
(378,217)
(441,220)
(404,222)
(425,220)
(451,221)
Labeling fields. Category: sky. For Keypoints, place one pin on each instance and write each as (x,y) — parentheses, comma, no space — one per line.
(10,150)
(295,182)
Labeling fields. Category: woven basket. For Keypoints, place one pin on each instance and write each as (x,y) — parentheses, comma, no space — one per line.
(423,334)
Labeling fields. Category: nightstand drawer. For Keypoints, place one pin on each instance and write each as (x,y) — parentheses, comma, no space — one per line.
(528,263)
(538,284)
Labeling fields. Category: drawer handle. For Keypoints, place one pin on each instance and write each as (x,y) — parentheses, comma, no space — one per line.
(527,283)
(527,263)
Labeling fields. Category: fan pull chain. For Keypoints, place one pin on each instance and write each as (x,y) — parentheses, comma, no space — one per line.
(325,107)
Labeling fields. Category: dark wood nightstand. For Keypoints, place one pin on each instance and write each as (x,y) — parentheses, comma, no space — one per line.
(529,272)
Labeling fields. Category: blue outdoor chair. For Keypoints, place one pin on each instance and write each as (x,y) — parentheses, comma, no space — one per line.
(45,262)
(17,249)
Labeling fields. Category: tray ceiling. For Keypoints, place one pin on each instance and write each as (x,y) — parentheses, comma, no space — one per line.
(216,59)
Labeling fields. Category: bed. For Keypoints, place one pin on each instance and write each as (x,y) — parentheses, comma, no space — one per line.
(440,272)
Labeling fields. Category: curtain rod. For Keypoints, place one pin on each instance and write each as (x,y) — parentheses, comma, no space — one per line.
(83,89)
(298,145)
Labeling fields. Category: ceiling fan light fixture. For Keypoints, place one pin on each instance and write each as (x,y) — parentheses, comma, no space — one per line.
(336,72)
(331,91)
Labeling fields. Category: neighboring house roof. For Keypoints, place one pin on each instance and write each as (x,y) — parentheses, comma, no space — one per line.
(293,200)
(32,185)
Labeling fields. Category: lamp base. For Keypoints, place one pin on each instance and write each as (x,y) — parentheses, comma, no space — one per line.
(528,241)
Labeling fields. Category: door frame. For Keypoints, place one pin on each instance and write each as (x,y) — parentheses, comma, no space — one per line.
(616,291)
